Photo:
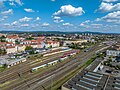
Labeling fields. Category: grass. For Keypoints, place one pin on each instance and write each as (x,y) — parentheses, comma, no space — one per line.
(2,68)
(90,61)
(6,83)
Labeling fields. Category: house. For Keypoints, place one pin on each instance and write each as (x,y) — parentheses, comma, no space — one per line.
(51,44)
(66,43)
(12,38)
(2,45)
(11,49)
(20,48)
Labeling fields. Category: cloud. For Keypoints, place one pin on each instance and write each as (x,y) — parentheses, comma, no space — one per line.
(53,0)
(57,19)
(69,10)
(37,18)
(11,2)
(113,17)
(14,23)
(29,10)
(67,24)
(84,25)
(45,24)
(25,25)
(108,7)
(3,18)
(10,11)
(110,0)
(87,21)
(25,19)
(94,25)
(18,2)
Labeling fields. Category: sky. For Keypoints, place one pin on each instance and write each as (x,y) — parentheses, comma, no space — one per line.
(60,15)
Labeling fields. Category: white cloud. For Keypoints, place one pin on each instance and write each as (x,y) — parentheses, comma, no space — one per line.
(53,0)
(57,19)
(110,0)
(25,19)
(10,11)
(87,21)
(94,24)
(14,23)
(11,2)
(25,25)
(67,24)
(5,17)
(108,7)
(37,18)
(84,25)
(19,2)
(29,10)
(113,17)
(69,10)
(98,19)
(45,24)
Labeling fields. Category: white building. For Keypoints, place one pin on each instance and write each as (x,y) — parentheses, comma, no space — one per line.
(113,53)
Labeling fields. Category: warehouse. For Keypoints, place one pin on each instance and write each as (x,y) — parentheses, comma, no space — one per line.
(15,62)
(113,83)
(86,81)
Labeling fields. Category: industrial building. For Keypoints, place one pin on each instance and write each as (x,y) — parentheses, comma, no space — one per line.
(113,53)
(90,79)
(86,80)
(113,83)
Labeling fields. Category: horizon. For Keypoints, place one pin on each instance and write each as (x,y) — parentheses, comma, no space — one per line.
(56,32)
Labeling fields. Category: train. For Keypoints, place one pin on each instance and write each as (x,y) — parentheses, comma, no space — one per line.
(62,58)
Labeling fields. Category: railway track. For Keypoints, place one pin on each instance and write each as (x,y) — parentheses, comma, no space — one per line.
(31,81)
(24,68)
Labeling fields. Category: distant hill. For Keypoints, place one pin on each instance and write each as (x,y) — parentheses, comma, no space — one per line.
(53,32)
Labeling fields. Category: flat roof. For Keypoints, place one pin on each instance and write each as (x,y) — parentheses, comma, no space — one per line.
(87,80)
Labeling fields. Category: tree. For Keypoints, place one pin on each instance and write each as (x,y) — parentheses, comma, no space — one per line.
(17,42)
(3,51)
(29,48)
(31,52)
(50,46)
(3,37)
(29,38)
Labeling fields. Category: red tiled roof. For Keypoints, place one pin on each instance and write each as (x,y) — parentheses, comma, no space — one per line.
(14,37)
(10,47)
